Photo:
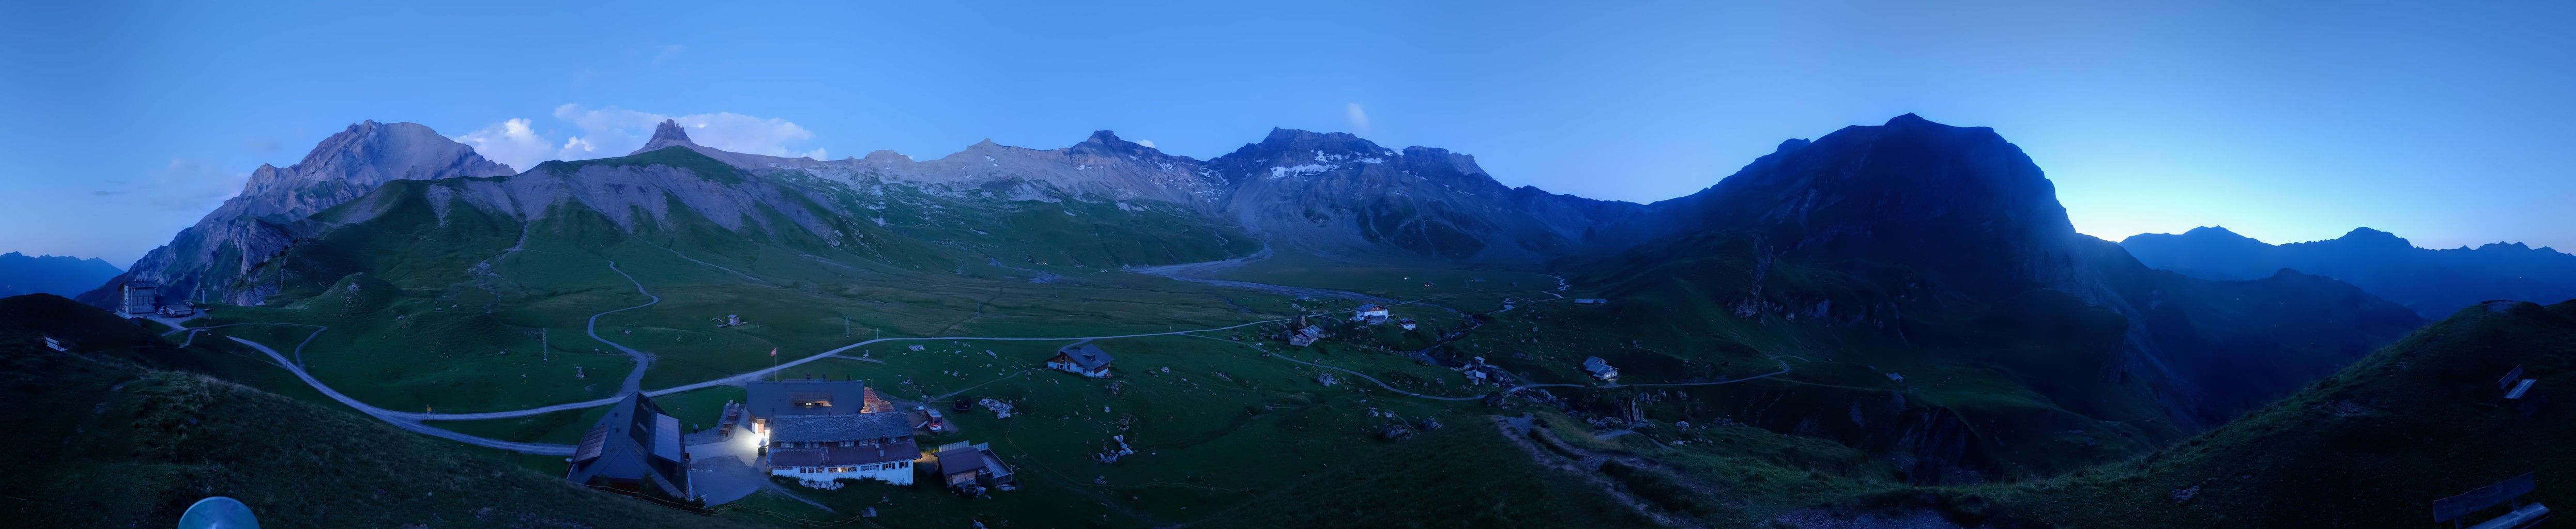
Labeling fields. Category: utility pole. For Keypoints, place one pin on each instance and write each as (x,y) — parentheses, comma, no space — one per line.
(542,347)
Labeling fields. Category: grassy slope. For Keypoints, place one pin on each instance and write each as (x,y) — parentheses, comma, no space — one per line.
(1460,476)
(2371,446)
(1223,425)
(2031,377)
(442,306)
(113,443)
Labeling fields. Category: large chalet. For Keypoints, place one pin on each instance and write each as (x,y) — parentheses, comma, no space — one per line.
(828,430)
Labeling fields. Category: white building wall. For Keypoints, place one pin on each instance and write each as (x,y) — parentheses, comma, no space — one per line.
(898,473)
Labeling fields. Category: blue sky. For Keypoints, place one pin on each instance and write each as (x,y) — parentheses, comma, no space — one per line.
(2447,124)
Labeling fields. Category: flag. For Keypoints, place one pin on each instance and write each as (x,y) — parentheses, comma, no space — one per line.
(773,351)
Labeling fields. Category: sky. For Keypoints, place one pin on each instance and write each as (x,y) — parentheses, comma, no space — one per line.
(121,123)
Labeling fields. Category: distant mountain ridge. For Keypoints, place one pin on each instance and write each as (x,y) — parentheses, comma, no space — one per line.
(51,274)
(2433,282)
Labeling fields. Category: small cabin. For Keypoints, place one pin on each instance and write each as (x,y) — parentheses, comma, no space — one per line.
(1371,313)
(1305,336)
(1600,369)
(1407,323)
(1302,334)
(1087,360)
(971,468)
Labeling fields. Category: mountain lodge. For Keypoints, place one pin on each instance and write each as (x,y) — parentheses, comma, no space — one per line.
(1087,360)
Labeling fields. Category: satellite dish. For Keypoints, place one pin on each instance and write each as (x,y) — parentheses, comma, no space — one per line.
(218,512)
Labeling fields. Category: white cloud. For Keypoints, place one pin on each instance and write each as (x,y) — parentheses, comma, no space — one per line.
(1358,118)
(1147,143)
(511,142)
(612,131)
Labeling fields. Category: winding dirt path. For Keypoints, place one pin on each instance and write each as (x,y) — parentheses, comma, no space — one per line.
(643,360)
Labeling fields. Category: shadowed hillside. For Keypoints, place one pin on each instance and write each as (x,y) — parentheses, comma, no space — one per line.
(2371,446)
(105,439)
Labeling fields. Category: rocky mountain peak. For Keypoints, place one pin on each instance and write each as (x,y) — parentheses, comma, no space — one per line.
(368,154)
(665,135)
(2374,238)
(1107,143)
(1897,192)
(245,230)
(1294,140)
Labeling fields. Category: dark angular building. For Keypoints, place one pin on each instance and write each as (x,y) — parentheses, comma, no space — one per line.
(636,449)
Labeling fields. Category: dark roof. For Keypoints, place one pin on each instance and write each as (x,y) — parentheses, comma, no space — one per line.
(834,428)
(1370,307)
(844,455)
(1088,356)
(773,399)
(960,459)
(635,442)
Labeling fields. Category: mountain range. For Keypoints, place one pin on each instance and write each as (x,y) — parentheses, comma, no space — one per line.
(51,274)
(1909,247)
(2433,282)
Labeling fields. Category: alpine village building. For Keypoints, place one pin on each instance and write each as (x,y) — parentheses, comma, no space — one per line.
(827,430)
(635,449)
(1087,360)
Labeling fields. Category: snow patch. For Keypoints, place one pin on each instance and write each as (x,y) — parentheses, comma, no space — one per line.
(1302,170)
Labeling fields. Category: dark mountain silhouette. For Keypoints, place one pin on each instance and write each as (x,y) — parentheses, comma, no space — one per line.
(51,274)
(2432,282)
(1917,243)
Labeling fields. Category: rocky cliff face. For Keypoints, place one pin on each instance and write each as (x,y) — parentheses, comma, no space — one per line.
(1332,193)
(210,259)
(1337,193)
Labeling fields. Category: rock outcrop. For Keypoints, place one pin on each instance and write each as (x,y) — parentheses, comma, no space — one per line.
(210,260)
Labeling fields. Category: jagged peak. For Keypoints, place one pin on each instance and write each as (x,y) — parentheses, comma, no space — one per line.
(358,136)
(1107,143)
(668,134)
(670,130)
